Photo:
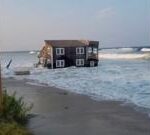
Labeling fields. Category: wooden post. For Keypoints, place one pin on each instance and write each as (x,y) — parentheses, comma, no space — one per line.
(1,93)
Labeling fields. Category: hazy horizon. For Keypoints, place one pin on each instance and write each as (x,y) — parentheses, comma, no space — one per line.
(25,24)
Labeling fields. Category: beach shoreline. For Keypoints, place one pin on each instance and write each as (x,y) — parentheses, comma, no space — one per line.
(62,112)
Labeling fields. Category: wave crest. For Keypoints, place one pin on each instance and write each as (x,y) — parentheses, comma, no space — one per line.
(124,56)
(145,50)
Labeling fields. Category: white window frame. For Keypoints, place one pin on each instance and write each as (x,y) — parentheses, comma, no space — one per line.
(80,62)
(60,63)
(95,50)
(80,50)
(89,49)
(60,51)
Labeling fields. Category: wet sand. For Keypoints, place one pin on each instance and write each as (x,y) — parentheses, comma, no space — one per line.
(63,113)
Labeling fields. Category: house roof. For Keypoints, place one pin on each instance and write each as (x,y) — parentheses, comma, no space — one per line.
(68,43)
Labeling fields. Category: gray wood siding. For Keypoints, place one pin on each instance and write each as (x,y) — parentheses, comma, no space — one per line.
(70,56)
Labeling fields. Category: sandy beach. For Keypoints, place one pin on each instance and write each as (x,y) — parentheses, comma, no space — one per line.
(58,112)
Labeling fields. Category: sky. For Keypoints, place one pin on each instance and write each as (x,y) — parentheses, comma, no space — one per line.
(25,24)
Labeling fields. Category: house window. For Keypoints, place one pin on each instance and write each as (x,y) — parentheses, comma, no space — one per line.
(60,63)
(90,49)
(95,50)
(80,50)
(79,62)
(60,51)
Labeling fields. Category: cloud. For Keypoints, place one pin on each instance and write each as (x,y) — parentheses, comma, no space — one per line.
(105,13)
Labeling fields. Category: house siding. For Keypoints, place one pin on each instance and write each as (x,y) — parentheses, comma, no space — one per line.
(70,56)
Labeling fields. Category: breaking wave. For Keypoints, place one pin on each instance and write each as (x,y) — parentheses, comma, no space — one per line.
(121,50)
(124,56)
(125,53)
(145,50)
(128,50)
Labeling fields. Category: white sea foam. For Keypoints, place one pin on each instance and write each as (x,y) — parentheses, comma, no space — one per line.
(120,50)
(115,83)
(32,52)
(145,50)
(127,80)
(120,81)
(127,50)
(124,56)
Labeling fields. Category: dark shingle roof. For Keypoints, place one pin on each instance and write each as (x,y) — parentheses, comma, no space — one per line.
(67,43)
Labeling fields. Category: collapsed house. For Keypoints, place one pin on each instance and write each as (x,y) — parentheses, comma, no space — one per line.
(66,53)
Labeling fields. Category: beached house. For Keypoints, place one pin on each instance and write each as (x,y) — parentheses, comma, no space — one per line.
(66,53)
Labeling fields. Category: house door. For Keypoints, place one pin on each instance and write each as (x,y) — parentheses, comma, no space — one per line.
(92,63)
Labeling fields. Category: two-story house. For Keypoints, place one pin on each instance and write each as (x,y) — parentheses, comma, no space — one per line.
(66,53)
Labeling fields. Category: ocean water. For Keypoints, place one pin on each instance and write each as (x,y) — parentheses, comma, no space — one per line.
(122,75)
